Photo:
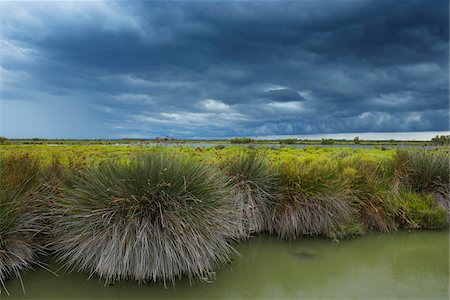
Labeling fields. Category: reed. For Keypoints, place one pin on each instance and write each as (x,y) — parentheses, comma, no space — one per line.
(156,217)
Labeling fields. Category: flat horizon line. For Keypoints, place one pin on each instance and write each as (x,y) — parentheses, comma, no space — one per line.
(378,136)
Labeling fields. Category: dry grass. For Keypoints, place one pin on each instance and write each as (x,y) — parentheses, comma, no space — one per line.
(255,186)
(21,219)
(155,218)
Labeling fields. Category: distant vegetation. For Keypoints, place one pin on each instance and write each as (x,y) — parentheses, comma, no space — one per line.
(326,141)
(288,141)
(443,140)
(243,140)
(159,213)
(436,141)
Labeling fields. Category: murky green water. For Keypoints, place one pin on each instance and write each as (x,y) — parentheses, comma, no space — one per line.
(403,265)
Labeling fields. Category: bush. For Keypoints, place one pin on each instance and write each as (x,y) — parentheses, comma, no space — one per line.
(288,141)
(441,140)
(20,217)
(326,141)
(155,217)
(255,184)
(241,140)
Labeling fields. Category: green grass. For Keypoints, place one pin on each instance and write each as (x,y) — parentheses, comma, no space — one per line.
(426,173)
(422,211)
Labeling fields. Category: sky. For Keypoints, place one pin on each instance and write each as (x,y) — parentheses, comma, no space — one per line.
(103,69)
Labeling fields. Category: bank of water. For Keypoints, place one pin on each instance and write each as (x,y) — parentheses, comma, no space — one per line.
(402,265)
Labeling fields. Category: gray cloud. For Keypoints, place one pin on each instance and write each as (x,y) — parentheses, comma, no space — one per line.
(223,68)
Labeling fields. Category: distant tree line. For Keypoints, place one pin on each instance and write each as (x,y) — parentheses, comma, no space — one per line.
(243,140)
(326,141)
(441,140)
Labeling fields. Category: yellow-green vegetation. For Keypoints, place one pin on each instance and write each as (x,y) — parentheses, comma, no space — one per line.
(158,213)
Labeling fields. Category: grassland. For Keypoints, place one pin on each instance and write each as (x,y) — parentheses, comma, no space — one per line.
(159,213)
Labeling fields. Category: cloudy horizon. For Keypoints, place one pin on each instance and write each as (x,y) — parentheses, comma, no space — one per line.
(196,69)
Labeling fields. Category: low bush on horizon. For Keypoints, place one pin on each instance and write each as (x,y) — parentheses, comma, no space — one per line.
(243,140)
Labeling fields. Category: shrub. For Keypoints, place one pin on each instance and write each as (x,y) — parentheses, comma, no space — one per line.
(20,217)
(155,217)
(255,183)
(326,141)
(243,140)
(288,141)
(441,140)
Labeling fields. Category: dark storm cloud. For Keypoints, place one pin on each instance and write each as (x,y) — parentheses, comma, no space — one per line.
(223,68)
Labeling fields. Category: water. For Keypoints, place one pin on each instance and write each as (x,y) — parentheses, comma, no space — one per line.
(403,265)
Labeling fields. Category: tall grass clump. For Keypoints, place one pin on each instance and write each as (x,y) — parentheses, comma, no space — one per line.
(255,185)
(421,211)
(21,219)
(311,201)
(156,217)
(426,173)
(371,185)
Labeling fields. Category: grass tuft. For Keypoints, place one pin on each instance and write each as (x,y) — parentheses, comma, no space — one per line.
(21,219)
(311,201)
(255,185)
(156,217)
(425,172)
